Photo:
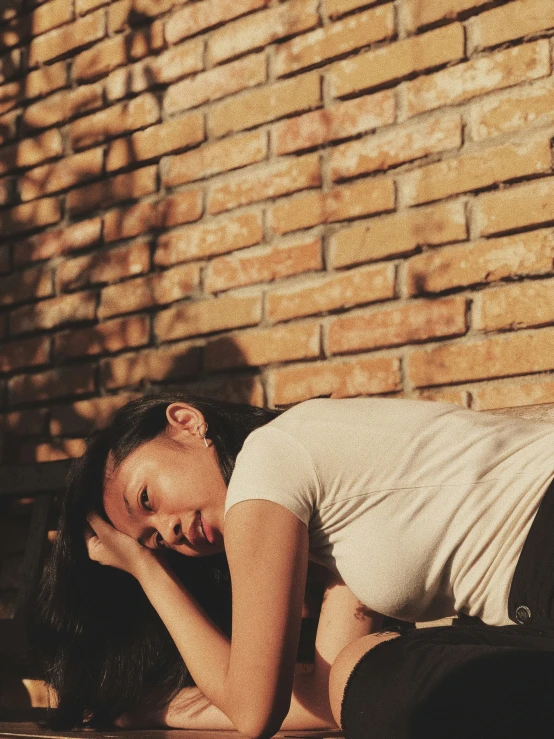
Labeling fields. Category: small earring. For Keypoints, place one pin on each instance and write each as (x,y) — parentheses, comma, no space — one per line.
(203,435)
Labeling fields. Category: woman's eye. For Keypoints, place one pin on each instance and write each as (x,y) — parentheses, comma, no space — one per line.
(144,501)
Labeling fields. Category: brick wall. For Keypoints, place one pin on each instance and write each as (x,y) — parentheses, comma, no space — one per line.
(270,201)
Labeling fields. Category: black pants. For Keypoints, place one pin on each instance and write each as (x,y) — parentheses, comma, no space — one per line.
(469,681)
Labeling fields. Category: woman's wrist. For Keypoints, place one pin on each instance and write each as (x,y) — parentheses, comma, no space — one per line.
(146,563)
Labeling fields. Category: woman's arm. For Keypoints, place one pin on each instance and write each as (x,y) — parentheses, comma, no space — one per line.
(342,620)
(250,680)
(190,709)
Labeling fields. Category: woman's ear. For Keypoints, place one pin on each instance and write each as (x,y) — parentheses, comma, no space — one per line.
(183,417)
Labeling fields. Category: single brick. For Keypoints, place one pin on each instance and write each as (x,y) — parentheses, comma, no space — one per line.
(104,266)
(515,306)
(56,383)
(210,159)
(260,29)
(5,259)
(109,336)
(85,6)
(84,416)
(67,38)
(24,423)
(123,13)
(516,109)
(337,122)
(7,191)
(124,117)
(478,76)
(335,39)
(167,67)
(510,394)
(503,355)
(24,353)
(52,451)
(397,60)
(8,126)
(488,260)
(63,106)
(53,312)
(481,168)
(259,347)
(55,243)
(215,83)
(214,237)
(156,140)
(336,8)
(51,15)
(210,13)
(283,177)
(29,216)
(147,40)
(372,195)
(338,379)
(61,175)
(175,362)
(445,395)
(15,31)
(418,13)
(263,264)
(19,287)
(128,186)
(11,96)
(530,204)
(10,65)
(405,324)
(131,221)
(206,316)
(155,289)
(512,21)
(45,80)
(265,104)
(32,151)
(183,207)
(101,58)
(241,388)
(398,234)
(325,293)
(397,145)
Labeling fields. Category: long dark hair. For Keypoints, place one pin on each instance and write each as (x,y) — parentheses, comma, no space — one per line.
(103,647)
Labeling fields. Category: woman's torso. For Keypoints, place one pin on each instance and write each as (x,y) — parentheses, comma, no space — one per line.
(422,508)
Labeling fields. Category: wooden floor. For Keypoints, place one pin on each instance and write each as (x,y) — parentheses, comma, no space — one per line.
(32,731)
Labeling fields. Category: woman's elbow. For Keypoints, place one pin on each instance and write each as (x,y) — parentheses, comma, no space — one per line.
(257,727)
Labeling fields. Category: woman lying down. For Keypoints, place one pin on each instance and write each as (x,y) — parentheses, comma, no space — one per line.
(417,511)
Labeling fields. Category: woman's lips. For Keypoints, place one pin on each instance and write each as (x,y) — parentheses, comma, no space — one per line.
(208,533)
(200,531)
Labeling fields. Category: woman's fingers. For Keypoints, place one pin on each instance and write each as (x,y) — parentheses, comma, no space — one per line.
(97,523)
(109,546)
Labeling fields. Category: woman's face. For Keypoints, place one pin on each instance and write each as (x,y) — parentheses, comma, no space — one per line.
(170,488)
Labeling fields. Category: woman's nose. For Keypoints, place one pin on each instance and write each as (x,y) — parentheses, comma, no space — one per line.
(172,531)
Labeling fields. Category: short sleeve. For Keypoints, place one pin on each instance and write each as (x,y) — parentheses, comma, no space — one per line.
(273,465)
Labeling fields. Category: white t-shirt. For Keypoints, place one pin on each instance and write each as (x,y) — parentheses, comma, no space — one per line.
(422,508)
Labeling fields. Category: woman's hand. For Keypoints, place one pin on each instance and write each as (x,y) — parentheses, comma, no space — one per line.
(108,546)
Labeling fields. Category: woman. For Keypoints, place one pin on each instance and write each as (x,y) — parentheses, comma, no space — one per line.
(418,510)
